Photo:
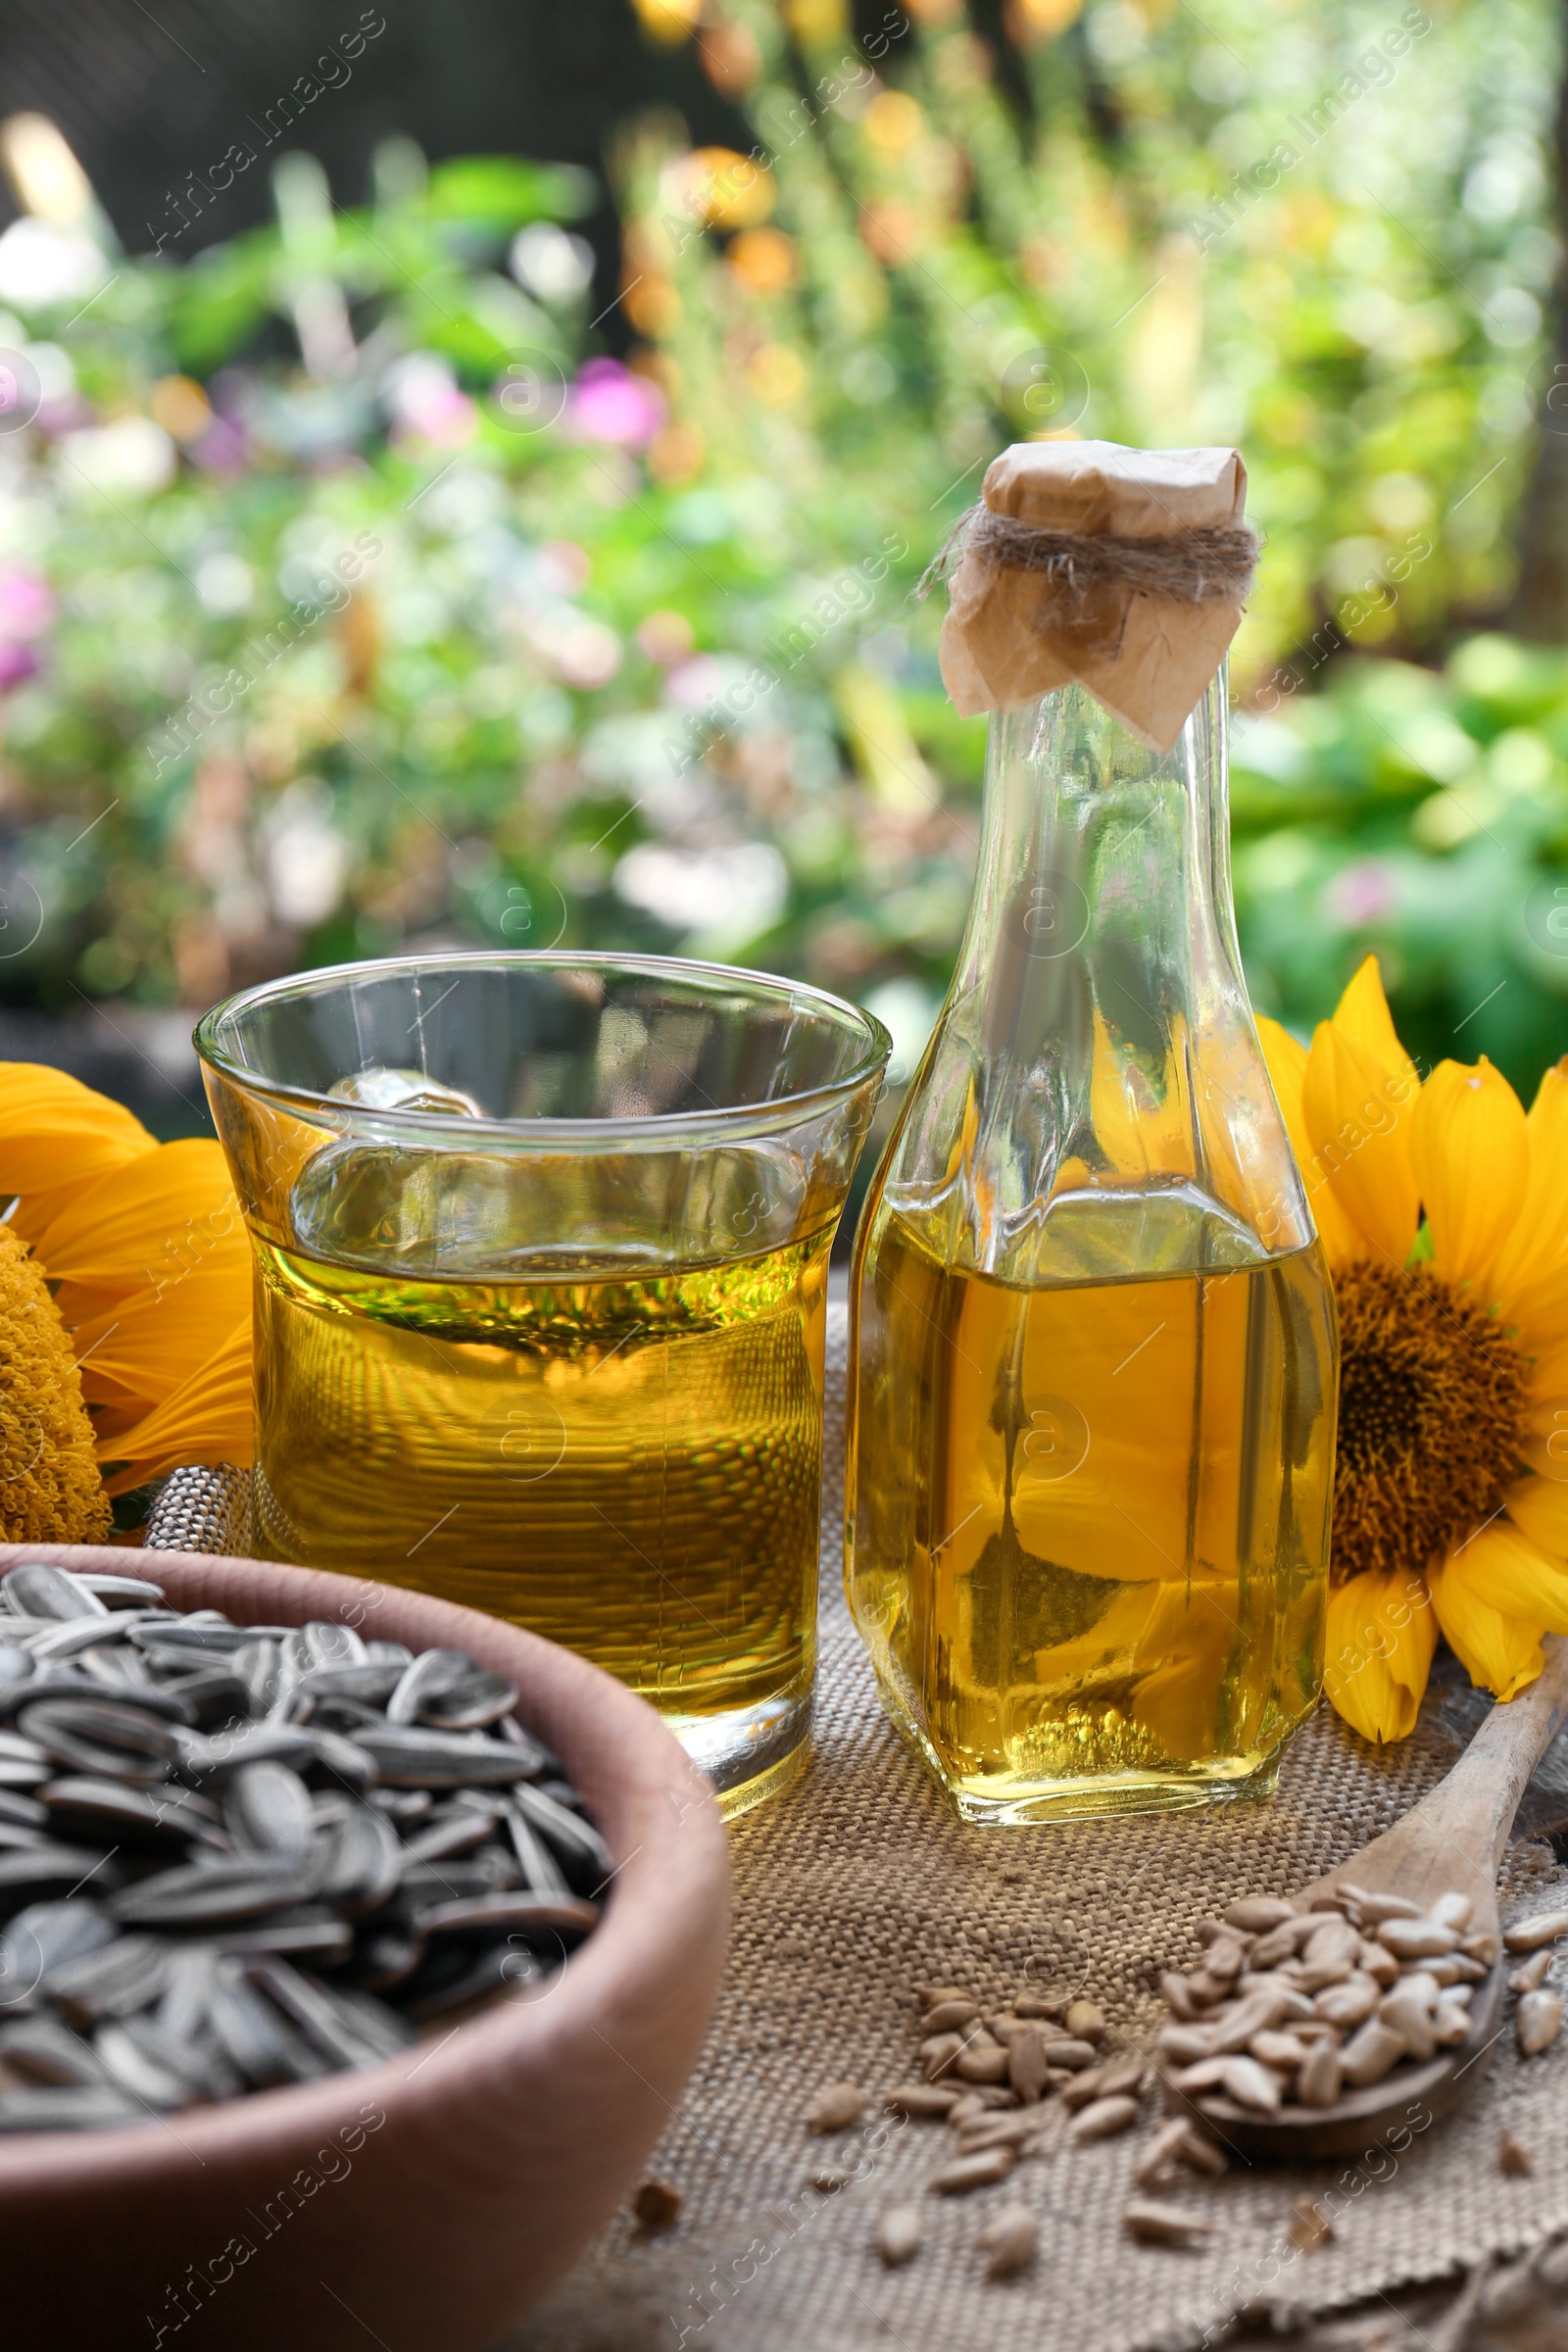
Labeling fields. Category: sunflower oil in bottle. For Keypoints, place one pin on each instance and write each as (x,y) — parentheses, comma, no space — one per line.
(1093,1343)
(1089,1592)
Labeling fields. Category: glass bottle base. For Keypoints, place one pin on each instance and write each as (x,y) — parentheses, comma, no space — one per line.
(749,1754)
(1019,1800)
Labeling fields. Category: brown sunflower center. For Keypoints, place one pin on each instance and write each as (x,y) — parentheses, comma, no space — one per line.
(1432,1418)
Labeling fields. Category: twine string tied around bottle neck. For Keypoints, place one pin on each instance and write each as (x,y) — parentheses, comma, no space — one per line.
(1208,564)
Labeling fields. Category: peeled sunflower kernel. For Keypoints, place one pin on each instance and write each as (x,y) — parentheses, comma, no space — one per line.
(898,2234)
(1251,2084)
(1201,2154)
(937,2053)
(1538,2021)
(1161,2155)
(1184,2045)
(1410,2011)
(995,2130)
(1335,1941)
(1350,2003)
(1102,2119)
(1256,1913)
(1375,1907)
(1283,2051)
(1527,1934)
(1317,2084)
(1074,2055)
(835,2107)
(1450,2026)
(1420,1938)
(949,2017)
(1532,1975)
(1309,2226)
(1027,2066)
(1009,2238)
(1158,2225)
(982,2170)
(1177,1995)
(932,2101)
(1369,2053)
(1375,1960)
(981,2062)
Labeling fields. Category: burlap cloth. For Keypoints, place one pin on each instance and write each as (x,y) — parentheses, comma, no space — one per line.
(856,1883)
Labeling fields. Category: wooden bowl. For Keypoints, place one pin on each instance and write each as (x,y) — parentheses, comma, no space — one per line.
(420,2204)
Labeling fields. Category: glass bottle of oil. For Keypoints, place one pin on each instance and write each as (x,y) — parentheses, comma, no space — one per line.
(1093,1358)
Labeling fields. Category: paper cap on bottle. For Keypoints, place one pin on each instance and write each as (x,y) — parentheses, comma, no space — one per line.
(1124,571)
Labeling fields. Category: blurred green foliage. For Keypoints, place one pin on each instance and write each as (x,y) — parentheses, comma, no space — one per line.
(349,598)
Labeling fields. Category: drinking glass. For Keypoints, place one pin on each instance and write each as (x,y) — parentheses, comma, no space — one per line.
(541,1249)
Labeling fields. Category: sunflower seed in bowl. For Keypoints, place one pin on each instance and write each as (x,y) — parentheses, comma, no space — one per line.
(234,1857)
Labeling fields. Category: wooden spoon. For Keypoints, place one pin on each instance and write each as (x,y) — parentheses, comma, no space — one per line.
(1452,1842)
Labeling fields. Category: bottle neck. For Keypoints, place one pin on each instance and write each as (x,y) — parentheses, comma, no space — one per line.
(1104,872)
(1097,1029)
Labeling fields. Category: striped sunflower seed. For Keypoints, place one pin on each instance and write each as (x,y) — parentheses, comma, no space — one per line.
(426,1677)
(207,1894)
(267,1809)
(251,2034)
(115,1980)
(249,1759)
(412,1757)
(85,2107)
(40,2049)
(36,1589)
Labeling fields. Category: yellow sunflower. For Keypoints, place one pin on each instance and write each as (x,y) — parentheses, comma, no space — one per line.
(137,1250)
(1443,1211)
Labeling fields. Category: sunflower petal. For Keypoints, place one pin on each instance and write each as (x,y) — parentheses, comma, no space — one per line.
(1357,1123)
(1503,1566)
(1362,1015)
(1546,1417)
(1285,1061)
(1539,1508)
(208,1418)
(1470,1153)
(1533,1262)
(1286,1057)
(54,1130)
(145,1225)
(1380,1641)
(143,1347)
(1495,1596)
(1142,1123)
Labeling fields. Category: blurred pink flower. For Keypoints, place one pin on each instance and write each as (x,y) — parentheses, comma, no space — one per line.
(607,403)
(17,663)
(695,681)
(69,413)
(221,449)
(427,402)
(27,606)
(1361,894)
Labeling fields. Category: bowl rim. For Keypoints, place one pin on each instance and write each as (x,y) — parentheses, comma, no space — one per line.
(680,1857)
(654,1130)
